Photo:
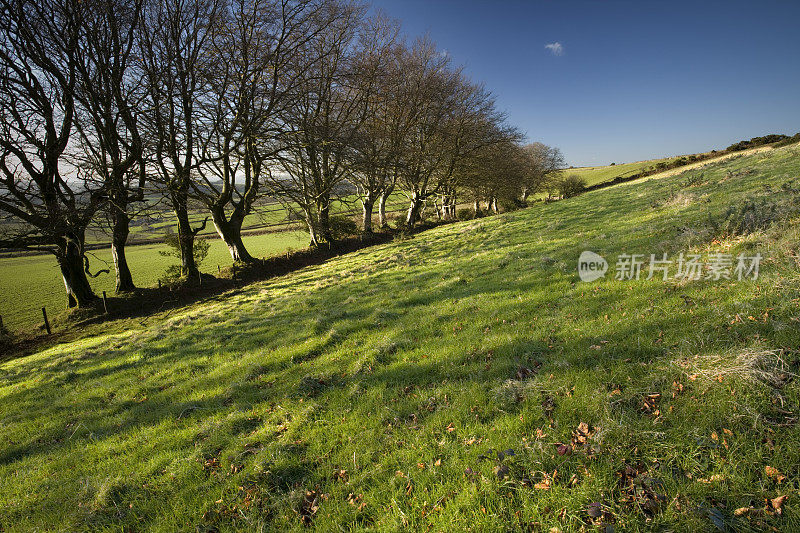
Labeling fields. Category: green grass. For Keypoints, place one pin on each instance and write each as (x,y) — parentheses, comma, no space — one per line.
(27,283)
(370,392)
(595,175)
(272,215)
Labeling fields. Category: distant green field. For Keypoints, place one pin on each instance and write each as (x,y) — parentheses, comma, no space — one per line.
(29,282)
(595,175)
(271,215)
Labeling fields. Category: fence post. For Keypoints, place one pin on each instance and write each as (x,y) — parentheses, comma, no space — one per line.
(105,303)
(46,322)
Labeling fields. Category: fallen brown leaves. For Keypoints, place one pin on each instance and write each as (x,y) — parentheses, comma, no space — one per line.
(600,515)
(524,372)
(640,489)
(582,436)
(772,507)
(547,481)
(356,501)
(309,506)
(774,473)
(650,404)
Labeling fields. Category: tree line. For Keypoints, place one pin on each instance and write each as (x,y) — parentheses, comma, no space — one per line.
(108,104)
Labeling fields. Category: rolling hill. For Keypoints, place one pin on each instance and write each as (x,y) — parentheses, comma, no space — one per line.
(602,174)
(465,379)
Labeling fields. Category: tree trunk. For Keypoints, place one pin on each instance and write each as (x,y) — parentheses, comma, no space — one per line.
(324,221)
(448,211)
(189,268)
(119,238)
(476,207)
(71,261)
(493,205)
(368,203)
(413,214)
(382,222)
(450,207)
(312,227)
(230,231)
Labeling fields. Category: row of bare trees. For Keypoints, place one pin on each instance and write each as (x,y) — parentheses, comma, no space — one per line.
(107,106)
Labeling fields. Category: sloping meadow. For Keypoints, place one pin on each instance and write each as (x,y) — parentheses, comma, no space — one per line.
(462,379)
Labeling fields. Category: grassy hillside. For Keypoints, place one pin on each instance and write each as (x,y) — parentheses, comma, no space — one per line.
(464,379)
(595,175)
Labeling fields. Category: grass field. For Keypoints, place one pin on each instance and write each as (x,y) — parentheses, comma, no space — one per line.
(595,175)
(271,215)
(29,282)
(462,380)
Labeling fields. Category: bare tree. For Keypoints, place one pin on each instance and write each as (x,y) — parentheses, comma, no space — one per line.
(429,90)
(108,91)
(376,79)
(49,202)
(494,172)
(174,41)
(544,166)
(453,118)
(393,125)
(322,119)
(253,66)
(474,125)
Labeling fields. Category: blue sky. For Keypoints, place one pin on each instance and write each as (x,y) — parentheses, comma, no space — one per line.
(634,80)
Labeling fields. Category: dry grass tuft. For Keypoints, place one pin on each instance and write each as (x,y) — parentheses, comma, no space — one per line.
(766,367)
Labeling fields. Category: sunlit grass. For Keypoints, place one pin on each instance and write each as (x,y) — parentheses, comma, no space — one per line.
(27,283)
(595,175)
(367,392)
(30,282)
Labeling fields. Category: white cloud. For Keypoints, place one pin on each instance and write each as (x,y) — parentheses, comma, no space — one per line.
(556,47)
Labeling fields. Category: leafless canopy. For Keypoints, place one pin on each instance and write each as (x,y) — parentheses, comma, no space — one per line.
(108,107)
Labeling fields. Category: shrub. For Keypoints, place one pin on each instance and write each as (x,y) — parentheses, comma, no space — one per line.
(790,140)
(200,252)
(759,213)
(571,186)
(753,215)
(757,141)
(342,227)
(694,180)
(509,204)
(465,214)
